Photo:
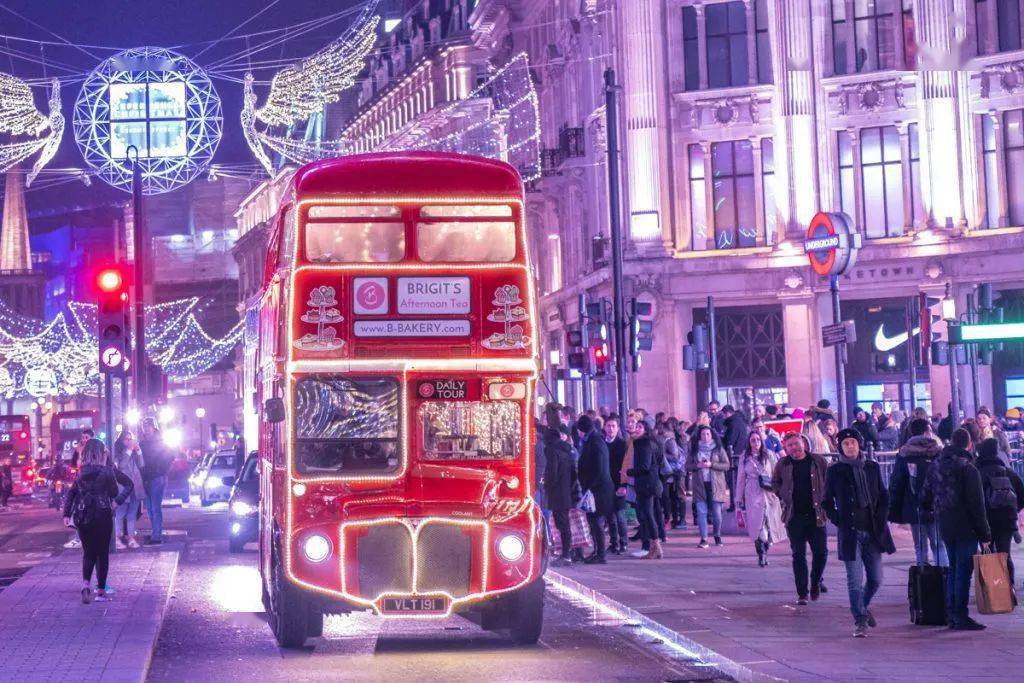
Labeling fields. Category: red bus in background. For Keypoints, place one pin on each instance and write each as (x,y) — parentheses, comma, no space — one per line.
(395,382)
(65,429)
(16,450)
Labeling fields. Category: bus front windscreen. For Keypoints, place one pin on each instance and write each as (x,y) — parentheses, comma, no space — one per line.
(470,430)
(346,426)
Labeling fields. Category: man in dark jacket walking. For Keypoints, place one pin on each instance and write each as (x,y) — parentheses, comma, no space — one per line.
(910,472)
(560,487)
(735,440)
(1004,497)
(618,531)
(155,463)
(799,482)
(953,491)
(595,476)
(857,503)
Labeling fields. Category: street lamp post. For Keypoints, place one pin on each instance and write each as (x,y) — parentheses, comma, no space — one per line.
(200,414)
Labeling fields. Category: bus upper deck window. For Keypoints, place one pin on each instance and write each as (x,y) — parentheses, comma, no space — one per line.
(475,211)
(355,242)
(487,241)
(352,211)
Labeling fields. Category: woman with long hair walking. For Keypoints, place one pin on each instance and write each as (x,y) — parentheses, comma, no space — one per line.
(128,461)
(90,509)
(761,508)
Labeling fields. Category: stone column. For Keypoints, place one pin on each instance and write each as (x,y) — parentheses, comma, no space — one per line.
(702,46)
(858,181)
(795,135)
(803,351)
(645,119)
(908,184)
(755,145)
(1002,219)
(748,6)
(939,101)
(709,196)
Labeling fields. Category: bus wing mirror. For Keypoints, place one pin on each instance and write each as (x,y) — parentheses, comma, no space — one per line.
(273,410)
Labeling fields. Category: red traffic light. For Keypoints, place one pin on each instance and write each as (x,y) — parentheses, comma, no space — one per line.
(110,280)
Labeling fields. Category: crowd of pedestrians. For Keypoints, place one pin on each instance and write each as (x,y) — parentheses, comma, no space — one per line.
(787,475)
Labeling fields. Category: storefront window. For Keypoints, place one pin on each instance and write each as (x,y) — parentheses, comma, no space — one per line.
(1015,392)
(346,426)
(470,430)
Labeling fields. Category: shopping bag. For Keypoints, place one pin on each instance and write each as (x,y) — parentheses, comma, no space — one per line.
(554,537)
(741,521)
(581,537)
(993,591)
(587,502)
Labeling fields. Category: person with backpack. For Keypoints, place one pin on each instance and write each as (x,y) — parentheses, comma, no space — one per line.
(910,472)
(1004,497)
(90,509)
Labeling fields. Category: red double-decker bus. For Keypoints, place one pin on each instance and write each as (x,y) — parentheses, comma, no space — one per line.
(16,451)
(66,429)
(396,372)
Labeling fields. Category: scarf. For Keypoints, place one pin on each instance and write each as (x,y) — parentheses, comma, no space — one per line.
(860,481)
(706,448)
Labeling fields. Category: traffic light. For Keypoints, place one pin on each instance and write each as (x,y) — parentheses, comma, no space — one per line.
(111,318)
(641,331)
(930,314)
(696,355)
(599,359)
(154,385)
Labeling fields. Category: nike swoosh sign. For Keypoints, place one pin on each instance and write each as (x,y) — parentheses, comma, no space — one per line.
(884,343)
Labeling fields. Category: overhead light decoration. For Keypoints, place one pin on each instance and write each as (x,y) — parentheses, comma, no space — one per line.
(158,102)
(30,130)
(304,89)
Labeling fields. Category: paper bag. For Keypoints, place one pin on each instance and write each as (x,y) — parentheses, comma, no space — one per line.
(993,591)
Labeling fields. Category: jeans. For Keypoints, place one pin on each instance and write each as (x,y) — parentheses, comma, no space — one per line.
(618,531)
(596,532)
(702,518)
(645,517)
(958,578)
(928,534)
(867,560)
(95,539)
(154,505)
(1001,544)
(803,530)
(127,514)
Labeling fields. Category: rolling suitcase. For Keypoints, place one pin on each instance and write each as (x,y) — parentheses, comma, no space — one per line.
(926,592)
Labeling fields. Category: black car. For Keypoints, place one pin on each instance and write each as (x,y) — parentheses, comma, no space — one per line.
(244,505)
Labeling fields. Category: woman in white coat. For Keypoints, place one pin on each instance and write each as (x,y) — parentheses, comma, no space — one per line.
(761,508)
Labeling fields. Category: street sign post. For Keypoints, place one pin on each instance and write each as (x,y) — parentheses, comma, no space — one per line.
(831,246)
(838,333)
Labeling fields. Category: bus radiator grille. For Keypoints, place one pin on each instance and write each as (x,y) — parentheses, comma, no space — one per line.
(446,558)
(384,557)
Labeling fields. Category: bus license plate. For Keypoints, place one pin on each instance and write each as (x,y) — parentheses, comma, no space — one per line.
(416,605)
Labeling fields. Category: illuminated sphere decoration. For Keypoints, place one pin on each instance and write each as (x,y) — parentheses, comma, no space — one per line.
(158,101)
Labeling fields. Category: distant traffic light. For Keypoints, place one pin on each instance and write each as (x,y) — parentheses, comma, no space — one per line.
(599,355)
(111,318)
(696,355)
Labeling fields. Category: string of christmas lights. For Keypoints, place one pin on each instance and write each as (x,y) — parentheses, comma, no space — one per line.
(64,349)
(19,118)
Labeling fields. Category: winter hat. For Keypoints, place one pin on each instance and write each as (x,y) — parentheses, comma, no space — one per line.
(1013,414)
(585,424)
(649,421)
(824,404)
(850,434)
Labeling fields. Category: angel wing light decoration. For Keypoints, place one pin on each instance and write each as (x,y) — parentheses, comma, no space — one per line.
(28,130)
(299,91)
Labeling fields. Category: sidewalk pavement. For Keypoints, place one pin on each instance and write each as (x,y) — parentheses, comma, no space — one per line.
(718,600)
(47,634)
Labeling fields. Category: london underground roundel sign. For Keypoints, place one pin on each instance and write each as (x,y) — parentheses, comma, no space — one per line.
(831,245)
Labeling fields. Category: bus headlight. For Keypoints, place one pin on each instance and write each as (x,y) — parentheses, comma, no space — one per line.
(236,528)
(240,508)
(316,548)
(511,548)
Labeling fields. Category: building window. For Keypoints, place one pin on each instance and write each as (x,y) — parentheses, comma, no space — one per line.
(866,41)
(998,24)
(881,179)
(768,189)
(1015,392)
(1012,140)
(691,55)
(726,27)
(732,165)
(909,37)
(763,42)
(698,201)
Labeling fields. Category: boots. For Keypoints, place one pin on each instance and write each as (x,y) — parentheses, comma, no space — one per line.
(655,552)
(759,547)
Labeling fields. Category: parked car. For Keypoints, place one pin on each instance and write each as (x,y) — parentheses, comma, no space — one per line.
(217,479)
(178,479)
(198,473)
(244,505)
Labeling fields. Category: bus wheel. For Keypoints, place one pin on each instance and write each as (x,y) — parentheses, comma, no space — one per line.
(314,622)
(288,614)
(526,614)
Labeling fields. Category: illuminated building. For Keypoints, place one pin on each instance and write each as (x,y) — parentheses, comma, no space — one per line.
(739,119)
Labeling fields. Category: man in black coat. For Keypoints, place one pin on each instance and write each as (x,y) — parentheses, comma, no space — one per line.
(866,429)
(595,476)
(858,504)
(618,531)
(735,441)
(559,488)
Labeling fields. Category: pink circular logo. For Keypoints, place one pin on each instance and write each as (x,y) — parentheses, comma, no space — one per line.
(427,389)
(506,390)
(370,295)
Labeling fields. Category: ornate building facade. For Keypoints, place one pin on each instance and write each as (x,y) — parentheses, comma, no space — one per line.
(739,120)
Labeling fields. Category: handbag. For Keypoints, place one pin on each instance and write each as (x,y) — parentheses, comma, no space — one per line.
(993,591)
(765,481)
(741,521)
(587,502)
